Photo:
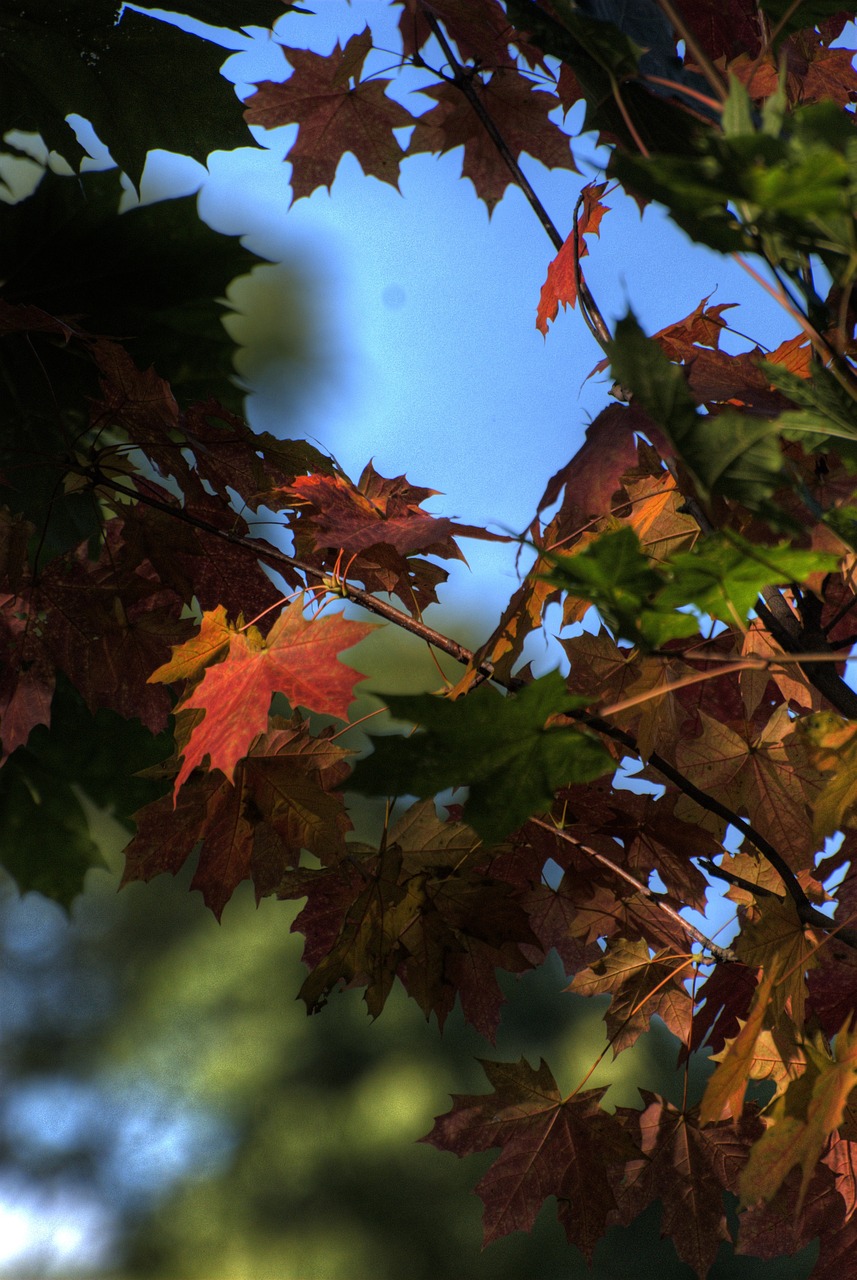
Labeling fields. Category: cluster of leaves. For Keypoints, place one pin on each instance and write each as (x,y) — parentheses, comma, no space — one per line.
(710,519)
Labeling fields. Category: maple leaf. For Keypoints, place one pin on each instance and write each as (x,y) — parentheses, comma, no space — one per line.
(498,746)
(27,680)
(686,1167)
(423,909)
(640,986)
(26,671)
(791,685)
(725,999)
(296,658)
(802,1120)
(833,748)
(726,1089)
(279,803)
(378,525)
(769,1229)
(333,116)
(833,987)
(229,455)
(658,515)
(594,475)
(108,623)
(197,564)
(341,515)
(561,283)
(767,773)
(480,28)
(141,404)
(723,29)
(682,339)
(520,112)
(550,1147)
(776,938)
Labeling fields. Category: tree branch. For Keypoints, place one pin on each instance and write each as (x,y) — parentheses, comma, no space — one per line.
(788,631)
(277,559)
(722,953)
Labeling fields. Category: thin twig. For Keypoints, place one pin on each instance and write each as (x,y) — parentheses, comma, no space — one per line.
(728,667)
(279,560)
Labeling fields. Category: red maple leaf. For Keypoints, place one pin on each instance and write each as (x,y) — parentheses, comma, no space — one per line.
(724,28)
(702,328)
(334,116)
(520,112)
(550,1147)
(561,285)
(297,658)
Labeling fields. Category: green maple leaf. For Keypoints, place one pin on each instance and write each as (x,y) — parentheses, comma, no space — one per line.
(723,574)
(498,746)
(142,83)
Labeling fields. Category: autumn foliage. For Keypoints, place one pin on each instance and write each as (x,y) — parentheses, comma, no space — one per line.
(706,531)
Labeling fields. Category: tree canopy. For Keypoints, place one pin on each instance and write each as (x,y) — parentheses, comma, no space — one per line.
(163,659)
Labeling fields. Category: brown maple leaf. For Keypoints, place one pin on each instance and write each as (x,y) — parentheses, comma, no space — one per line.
(802,1120)
(26,674)
(687,1168)
(424,910)
(108,624)
(640,986)
(141,405)
(561,283)
(550,1147)
(520,112)
(281,801)
(196,563)
(297,658)
(370,532)
(480,28)
(722,1001)
(334,116)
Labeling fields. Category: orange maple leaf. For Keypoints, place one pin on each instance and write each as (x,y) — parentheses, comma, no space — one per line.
(297,658)
(561,283)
